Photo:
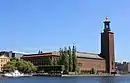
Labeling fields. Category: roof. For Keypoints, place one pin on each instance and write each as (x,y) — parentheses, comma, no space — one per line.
(42,54)
(88,55)
(79,54)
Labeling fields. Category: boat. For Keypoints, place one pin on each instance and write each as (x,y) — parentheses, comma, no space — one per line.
(16,73)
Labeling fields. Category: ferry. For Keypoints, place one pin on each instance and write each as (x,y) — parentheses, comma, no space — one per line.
(16,73)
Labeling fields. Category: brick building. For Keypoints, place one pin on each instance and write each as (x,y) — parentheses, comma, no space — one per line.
(103,62)
(86,61)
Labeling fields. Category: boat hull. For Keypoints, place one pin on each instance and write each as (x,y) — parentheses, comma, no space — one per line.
(17,76)
(16,73)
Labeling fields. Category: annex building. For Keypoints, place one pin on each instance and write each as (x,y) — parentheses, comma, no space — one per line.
(4,59)
(103,62)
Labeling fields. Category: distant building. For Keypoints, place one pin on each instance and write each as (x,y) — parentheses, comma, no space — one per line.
(128,67)
(16,54)
(11,54)
(3,60)
(123,67)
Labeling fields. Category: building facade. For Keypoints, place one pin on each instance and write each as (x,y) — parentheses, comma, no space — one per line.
(86,61)
(41,59)
(123,67)
(3,60)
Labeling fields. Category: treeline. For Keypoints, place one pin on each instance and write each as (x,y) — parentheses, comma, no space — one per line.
(68,58)
(21,65)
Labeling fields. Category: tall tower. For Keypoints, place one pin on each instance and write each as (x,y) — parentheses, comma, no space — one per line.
(107,47)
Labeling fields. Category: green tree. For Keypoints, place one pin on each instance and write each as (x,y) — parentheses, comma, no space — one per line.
(22,66)
(40,52)
(61,61)
(49,61)
(12,65)
(93,70)
(14,58)
(32,67)
(74,59)
(66,60)
(70,60)
(27,68)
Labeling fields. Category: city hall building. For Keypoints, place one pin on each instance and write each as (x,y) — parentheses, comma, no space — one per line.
(103,62)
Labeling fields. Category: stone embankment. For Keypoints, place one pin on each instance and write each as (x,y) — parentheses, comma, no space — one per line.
(73,75)
(90,75)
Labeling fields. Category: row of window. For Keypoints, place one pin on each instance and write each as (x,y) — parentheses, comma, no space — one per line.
(4,60)
(39,61)
(2,65)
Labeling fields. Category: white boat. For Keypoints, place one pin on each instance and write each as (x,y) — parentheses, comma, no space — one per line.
(16,73)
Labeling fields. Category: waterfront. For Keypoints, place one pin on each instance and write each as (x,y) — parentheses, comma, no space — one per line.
(42,79)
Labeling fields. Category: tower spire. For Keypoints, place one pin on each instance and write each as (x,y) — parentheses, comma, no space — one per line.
(107,24)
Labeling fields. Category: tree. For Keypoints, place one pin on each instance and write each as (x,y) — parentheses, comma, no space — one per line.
(12,65)
(14,58)
(40,52)
(60,61)
(49,61)
(22,66)
(32,67)
(70,60)
(74,58)
(66,60)
(93,70)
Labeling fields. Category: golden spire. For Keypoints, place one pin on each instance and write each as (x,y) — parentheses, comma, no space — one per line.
(106,17)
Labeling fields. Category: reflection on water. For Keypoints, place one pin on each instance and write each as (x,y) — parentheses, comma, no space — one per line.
(121,79)
(108,80)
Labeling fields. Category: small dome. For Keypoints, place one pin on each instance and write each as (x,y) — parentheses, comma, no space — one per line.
(106,17)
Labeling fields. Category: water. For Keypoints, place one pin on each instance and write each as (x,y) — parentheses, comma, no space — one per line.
(122,79)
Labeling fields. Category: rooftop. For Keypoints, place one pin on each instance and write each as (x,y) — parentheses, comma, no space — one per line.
(42,54)
(88,55)
(79,54)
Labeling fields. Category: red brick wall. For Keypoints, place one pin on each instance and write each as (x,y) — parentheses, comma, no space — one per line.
(87,64)
(111,52)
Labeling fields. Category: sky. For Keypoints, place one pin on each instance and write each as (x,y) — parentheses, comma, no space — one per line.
(47,25)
